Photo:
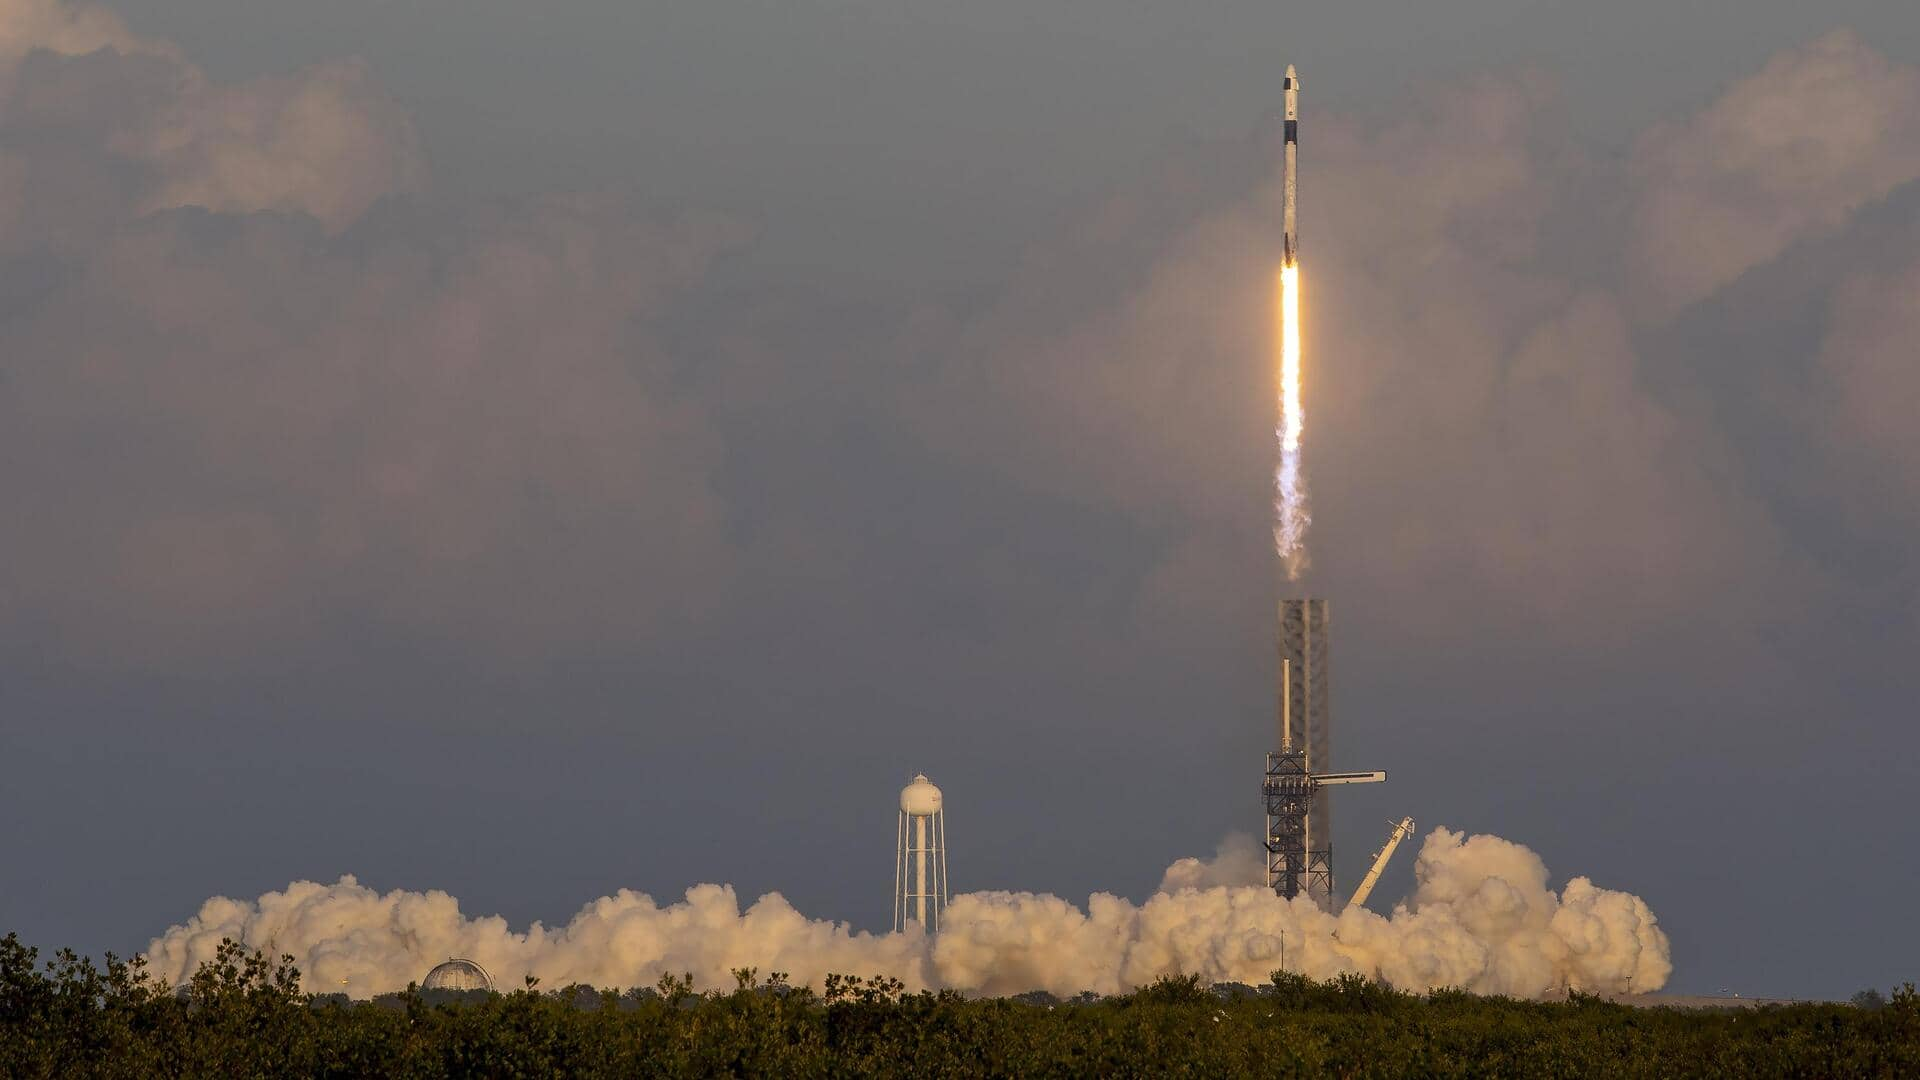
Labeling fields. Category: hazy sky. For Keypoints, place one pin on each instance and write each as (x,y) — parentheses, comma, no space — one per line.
(531,453)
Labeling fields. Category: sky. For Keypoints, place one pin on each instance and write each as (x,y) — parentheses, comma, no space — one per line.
(534,455)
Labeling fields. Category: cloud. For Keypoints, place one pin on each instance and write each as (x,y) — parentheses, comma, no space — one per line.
(1782,156)
(67,29)
(1869,379)
(253,403)
(100,126)
(237,430)
(256,398)
(325,142)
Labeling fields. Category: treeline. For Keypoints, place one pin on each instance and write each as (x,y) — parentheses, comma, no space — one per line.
(245,1015)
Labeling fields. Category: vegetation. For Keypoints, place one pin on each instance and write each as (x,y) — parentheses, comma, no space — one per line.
(244,1015)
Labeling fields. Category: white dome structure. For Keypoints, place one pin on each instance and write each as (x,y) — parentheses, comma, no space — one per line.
(458,974)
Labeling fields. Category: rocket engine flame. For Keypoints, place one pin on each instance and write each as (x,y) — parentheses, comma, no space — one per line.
(1290,516)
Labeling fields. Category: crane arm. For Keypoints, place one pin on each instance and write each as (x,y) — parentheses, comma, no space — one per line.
(1399,833)
(1349,777)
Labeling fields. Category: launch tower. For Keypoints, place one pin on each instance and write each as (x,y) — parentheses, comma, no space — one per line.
(1299,833)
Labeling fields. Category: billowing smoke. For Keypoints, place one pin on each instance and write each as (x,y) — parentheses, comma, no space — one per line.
(1236,861)
(1481,916)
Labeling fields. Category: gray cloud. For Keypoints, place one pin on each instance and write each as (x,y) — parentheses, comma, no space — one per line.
(1785,154)
(98,127)
(1871,376)
(68,30)
(490,417)
(235,426)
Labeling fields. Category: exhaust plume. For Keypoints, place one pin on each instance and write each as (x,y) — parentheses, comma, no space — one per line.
(1290,517)
(1481,917)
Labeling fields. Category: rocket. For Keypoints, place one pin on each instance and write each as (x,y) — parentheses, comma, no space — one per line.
(1290,234)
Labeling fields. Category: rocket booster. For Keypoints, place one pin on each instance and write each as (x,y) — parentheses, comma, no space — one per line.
(1290,237)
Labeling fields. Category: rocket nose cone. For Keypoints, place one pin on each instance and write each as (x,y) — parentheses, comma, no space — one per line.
(1290,71)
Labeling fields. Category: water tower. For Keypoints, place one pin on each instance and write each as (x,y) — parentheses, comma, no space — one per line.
(920,857)
(458,973)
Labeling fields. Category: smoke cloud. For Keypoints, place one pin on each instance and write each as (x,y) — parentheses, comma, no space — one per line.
(1481,917)
(1236,861)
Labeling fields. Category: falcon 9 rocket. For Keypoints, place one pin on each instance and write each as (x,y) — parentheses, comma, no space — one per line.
(1289,228)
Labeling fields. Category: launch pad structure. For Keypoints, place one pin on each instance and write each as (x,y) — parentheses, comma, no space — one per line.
(1299,833)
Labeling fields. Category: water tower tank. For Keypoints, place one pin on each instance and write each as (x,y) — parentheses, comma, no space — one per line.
(920,798)
(458,974)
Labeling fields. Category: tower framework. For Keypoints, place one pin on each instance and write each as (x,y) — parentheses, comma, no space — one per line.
(1299,834)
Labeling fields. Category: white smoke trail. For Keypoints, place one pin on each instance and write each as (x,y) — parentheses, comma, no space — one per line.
(1290,516)
(1481,917)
